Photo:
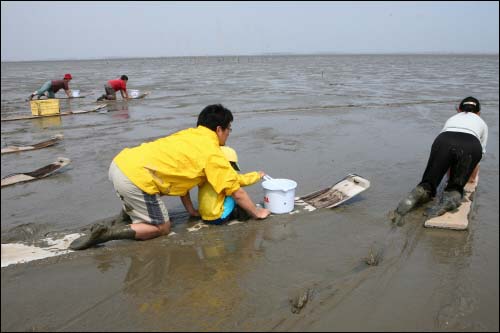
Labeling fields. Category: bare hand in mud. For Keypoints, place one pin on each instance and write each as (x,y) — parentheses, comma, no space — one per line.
(262,213)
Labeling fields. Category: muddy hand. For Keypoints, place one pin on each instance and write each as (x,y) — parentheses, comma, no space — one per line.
(262,213)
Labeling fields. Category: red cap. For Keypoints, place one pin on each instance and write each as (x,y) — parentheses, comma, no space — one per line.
(68,76)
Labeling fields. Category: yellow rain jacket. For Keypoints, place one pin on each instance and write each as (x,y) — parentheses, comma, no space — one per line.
(174,164)
(211,203)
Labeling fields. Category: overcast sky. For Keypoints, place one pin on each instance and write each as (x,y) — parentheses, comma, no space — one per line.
(48,30)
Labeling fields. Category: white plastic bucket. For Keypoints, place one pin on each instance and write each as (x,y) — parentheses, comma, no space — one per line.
(134,93)
(279,195)
(75,93)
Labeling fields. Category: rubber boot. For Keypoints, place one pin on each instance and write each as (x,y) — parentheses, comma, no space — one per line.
(417,196)
(100,234)
(451,200)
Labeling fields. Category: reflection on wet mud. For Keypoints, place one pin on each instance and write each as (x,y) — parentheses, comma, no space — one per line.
(119,109)
(48,122)
(194,277)
(196,284)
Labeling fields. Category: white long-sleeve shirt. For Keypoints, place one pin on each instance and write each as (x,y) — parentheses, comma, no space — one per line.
(468,122)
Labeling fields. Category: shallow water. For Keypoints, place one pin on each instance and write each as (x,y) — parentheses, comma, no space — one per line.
(313,119)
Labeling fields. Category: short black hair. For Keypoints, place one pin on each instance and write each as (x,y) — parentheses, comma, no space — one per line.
(470,104)
(124,77)
(215,115)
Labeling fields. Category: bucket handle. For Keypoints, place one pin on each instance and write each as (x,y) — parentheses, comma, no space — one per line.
(267,177)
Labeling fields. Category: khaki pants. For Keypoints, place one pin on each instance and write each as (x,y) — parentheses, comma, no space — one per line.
(139,205)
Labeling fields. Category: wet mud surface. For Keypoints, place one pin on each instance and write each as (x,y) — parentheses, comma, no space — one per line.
(312,119)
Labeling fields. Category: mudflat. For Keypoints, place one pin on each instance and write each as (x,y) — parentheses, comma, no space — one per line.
(312,119)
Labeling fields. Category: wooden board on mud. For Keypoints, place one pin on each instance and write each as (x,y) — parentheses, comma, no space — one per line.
(37,174)
(459,218)
(335,195)
(66,97)
(47,143)
(67,113)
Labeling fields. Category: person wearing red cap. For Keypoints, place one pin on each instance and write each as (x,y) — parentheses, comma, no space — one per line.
(112,86)
(51,87)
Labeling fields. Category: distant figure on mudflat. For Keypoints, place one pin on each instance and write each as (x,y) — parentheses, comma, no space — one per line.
(50,88)
(112,86)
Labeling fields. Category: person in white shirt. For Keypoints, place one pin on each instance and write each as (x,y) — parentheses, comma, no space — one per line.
(457,149)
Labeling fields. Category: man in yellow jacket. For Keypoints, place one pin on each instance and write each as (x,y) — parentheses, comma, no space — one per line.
(171,166)
(218,208)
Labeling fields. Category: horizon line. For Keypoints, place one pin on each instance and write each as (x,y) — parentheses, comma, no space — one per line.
(256,55)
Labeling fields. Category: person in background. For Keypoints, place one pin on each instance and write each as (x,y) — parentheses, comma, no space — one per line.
(457,149)
(112,86)
(171,166)
(51,87)
(217,208)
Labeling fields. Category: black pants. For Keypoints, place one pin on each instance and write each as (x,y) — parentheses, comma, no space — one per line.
(459,152)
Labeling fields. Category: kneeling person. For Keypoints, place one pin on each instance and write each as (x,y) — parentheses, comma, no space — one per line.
(217,208)
(171,166)
(458,149)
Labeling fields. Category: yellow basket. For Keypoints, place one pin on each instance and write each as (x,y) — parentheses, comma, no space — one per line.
(45,107)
